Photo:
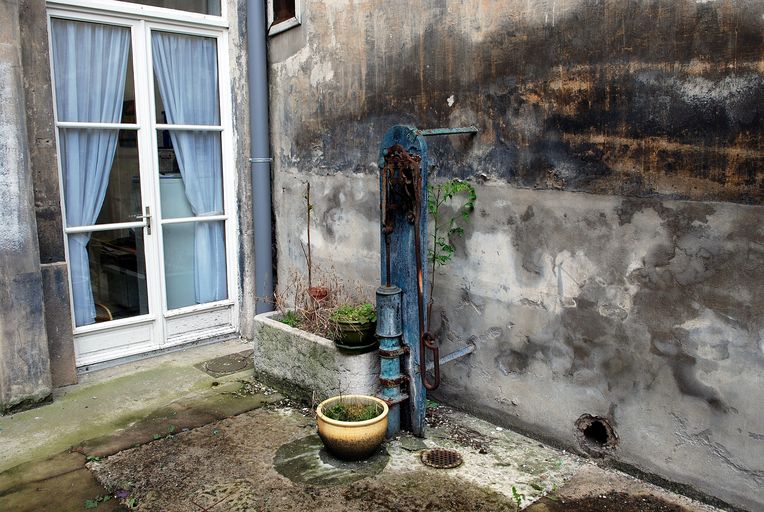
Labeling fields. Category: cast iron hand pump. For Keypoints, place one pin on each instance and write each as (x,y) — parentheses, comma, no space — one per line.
(402,192)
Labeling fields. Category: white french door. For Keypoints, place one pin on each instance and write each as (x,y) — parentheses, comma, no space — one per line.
(143,122)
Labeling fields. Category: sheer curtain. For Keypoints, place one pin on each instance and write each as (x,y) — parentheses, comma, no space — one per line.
(187,73)
(89,64)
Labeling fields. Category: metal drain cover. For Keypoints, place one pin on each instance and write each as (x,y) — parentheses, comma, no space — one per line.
(441,458)
(226,365)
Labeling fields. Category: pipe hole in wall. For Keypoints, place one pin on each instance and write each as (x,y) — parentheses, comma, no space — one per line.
(596,435)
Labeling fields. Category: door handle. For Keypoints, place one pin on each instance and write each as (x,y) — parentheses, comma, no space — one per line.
(147,218)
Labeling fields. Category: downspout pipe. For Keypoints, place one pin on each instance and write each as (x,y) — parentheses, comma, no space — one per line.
(260,158)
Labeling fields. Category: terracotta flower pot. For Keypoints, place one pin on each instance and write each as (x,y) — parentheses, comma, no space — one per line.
(318,293)
(352,440)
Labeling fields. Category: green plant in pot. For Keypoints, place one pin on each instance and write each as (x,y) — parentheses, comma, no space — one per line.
(355,327)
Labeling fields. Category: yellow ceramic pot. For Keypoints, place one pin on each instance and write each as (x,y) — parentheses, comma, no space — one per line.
(352,440)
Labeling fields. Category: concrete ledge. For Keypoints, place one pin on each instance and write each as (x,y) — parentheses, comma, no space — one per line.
(305,364)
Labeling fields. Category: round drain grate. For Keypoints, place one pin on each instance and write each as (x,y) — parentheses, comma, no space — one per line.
(441,458)
(226,365)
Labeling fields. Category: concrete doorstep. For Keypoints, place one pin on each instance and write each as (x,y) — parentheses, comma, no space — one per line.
(192,431)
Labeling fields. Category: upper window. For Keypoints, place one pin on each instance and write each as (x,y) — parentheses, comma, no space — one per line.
(283,15)
(211,7)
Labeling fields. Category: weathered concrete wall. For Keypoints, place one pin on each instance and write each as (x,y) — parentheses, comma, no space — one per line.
(614,265)
(24,369)
(43,162)
(309,366)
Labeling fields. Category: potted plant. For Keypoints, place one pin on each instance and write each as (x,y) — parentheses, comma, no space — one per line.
(352,427)
(355,327)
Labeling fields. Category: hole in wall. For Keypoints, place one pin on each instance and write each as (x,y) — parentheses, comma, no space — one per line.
(596,435)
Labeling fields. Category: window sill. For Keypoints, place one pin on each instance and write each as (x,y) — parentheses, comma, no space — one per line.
(283,26)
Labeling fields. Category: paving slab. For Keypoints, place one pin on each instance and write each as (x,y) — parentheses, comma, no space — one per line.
(43,451)
(71,491)
(107,402)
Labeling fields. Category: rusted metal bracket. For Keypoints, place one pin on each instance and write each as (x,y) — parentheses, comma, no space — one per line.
(390,354)
(456,354)
(395,381)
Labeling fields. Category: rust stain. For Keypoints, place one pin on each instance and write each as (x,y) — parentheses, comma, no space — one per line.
(632,98)
(669,168)
(656,144)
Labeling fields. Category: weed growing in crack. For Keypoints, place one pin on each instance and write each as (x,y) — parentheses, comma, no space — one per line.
(518,497)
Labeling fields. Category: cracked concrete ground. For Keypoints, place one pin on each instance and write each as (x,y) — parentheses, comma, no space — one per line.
(162,435)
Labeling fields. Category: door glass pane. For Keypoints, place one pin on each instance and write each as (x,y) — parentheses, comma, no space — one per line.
(201,6)
(92,67)
(123,193)
(191,179)
(117,274)
(178,99)
(93,192)
(194,263)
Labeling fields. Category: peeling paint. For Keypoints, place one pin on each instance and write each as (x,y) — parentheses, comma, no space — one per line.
(320,73)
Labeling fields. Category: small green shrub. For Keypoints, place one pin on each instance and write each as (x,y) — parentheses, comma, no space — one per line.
(352,412)
(446,228)
(354,313)
(290,318)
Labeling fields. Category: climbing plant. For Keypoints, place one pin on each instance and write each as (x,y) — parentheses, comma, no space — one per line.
(447,227)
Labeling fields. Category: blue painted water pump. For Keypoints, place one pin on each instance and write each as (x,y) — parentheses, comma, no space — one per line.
(402,323)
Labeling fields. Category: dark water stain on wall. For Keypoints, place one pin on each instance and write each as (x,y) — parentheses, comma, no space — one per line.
(635,98)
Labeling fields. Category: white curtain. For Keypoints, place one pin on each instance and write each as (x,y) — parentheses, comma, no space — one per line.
(89,64)
(187,74)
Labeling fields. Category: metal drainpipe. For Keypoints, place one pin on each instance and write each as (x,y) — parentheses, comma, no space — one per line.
(260,159)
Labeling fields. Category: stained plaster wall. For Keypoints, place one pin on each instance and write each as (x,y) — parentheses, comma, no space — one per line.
(614,263)
(24,366)
(43,168)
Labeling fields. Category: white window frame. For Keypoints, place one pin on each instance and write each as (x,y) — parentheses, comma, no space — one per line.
(142,20)
(147,12)
(287,24)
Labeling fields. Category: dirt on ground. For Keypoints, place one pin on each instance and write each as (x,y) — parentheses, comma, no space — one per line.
(611,502)
(228,466)
(270,459)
